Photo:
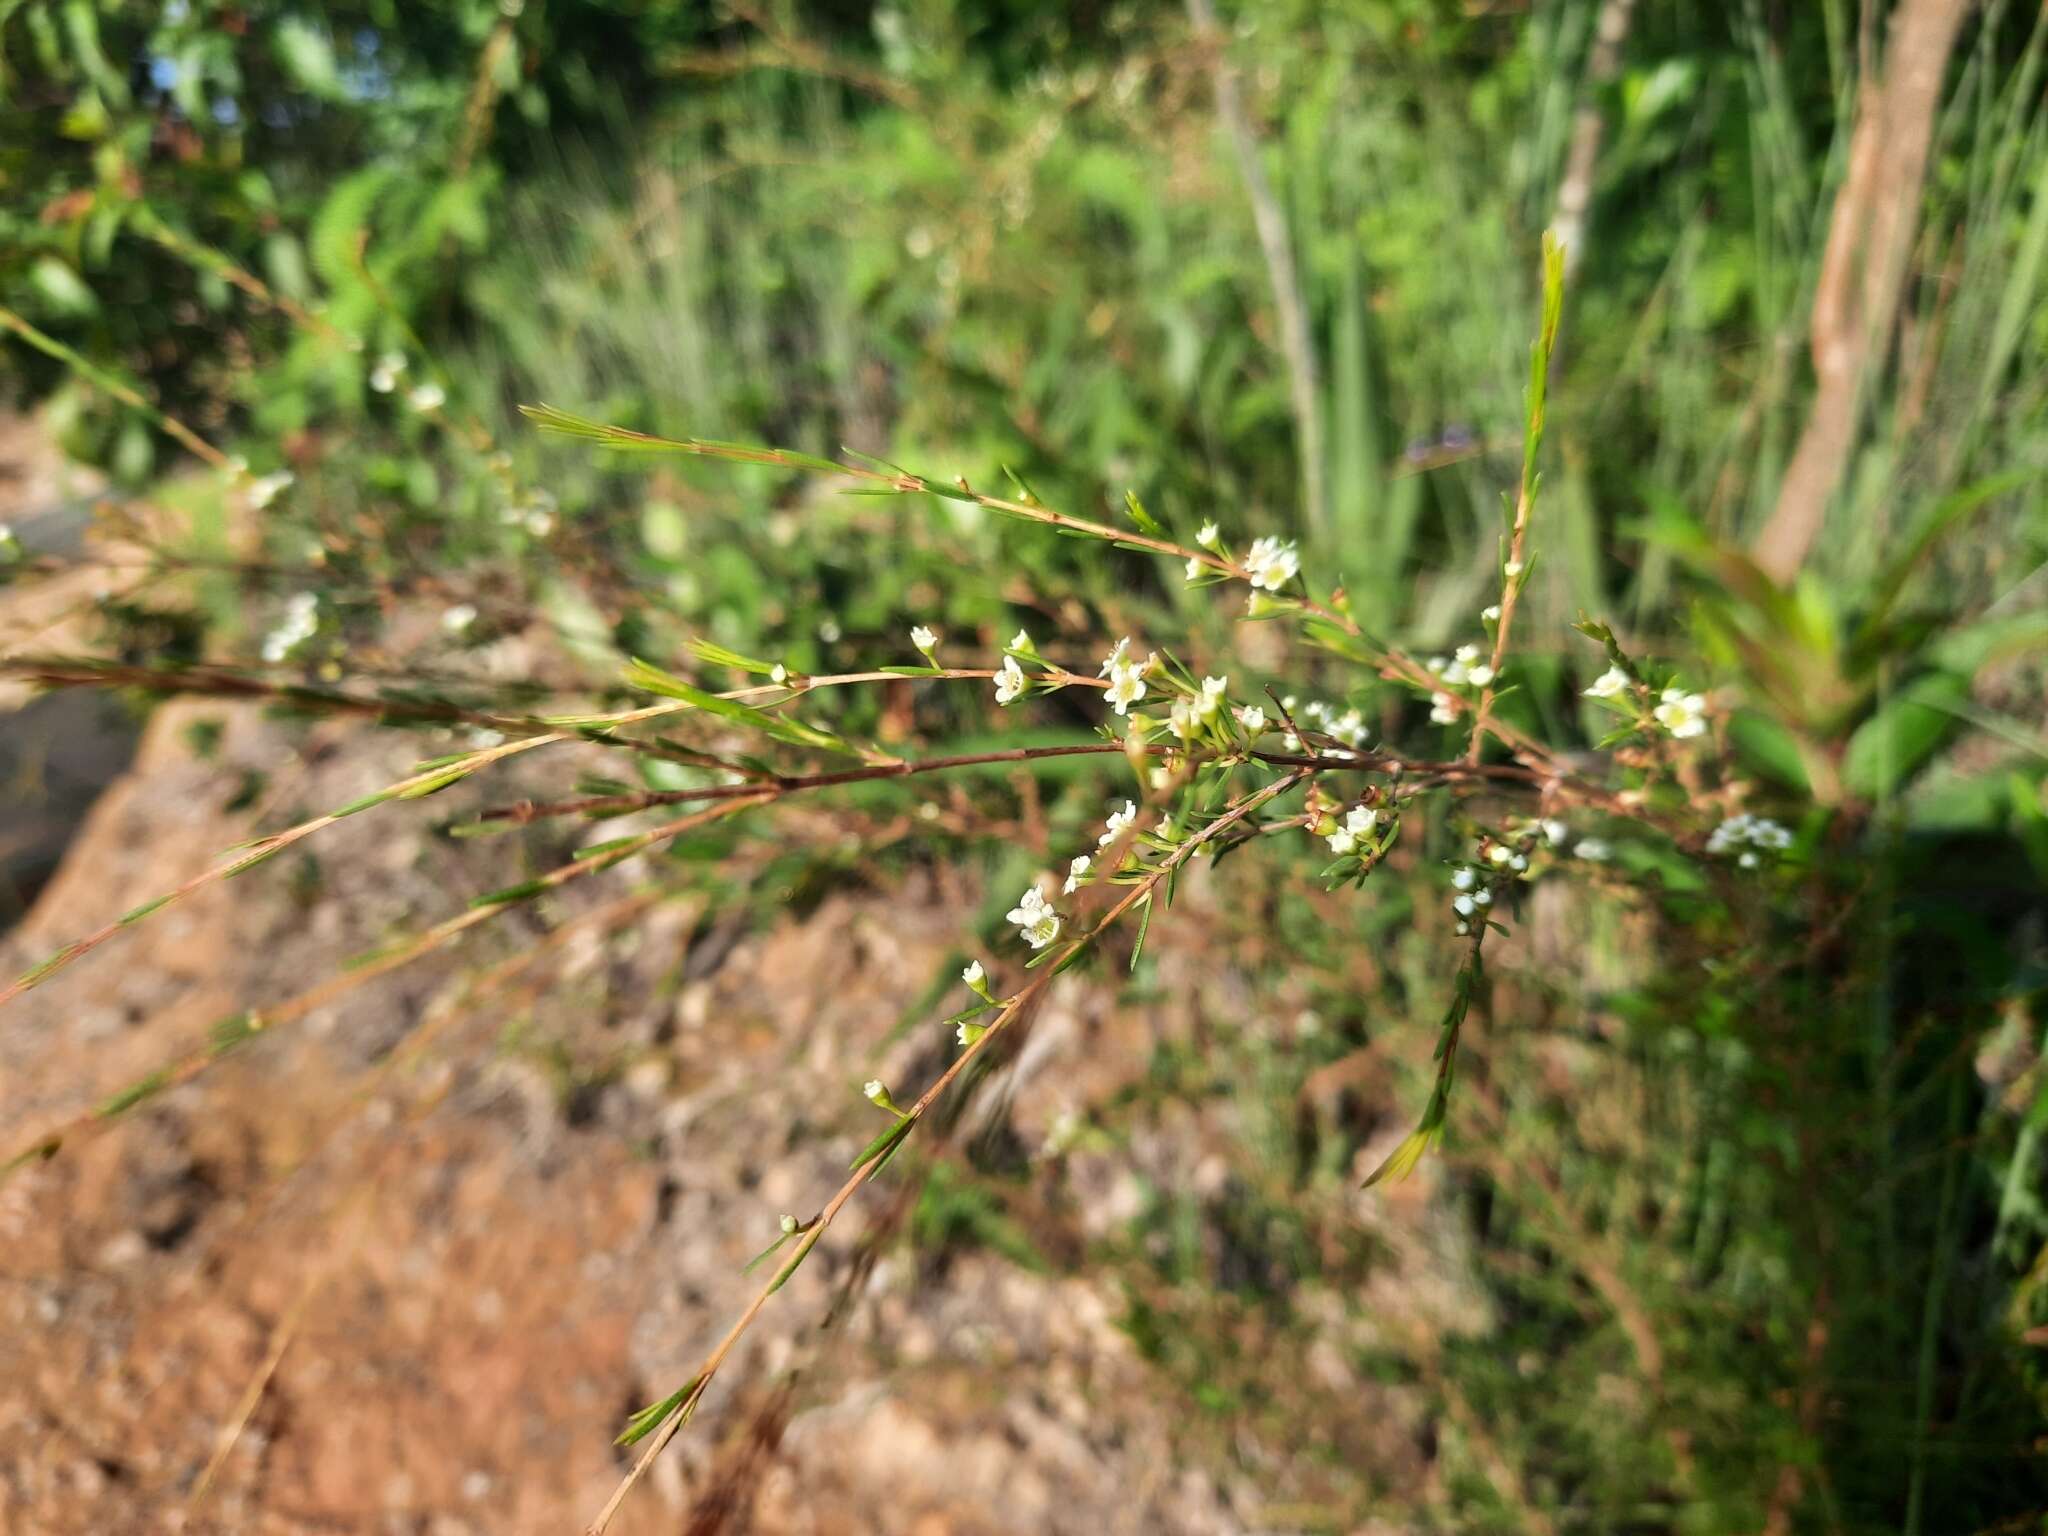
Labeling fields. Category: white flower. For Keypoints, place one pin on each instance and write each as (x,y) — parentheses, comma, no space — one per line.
(1459,671)
(1443,710)
(428,397)
(788,1225)
(1009,681)
(384,377)
(1075,871)
(1748,832)
(1593,849)
(1182,720)
(1117,659)
(1118,820)
(1480,675)
(1348,728)
(1463,906)
(974,975)
(874,1090)
(1464,879)
(1208,537)
(923,638)
(301,620)
(1271,564)
(264,491)
(1195,569)
(1213,689)
(1252,718)
(458,618)
(1490,614)
(1513,569)
(1682,714)
(1611,684)
(778,673)
(1021,642)
(1035,918)
(1482,898)
(1436,664)
(1358,823)
(1500,853)
(1554,831)
(1126,687)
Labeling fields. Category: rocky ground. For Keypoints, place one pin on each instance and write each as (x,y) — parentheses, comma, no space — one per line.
(404,1266)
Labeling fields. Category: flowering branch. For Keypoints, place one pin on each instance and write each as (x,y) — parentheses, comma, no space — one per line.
(1516,570)
(673,1412)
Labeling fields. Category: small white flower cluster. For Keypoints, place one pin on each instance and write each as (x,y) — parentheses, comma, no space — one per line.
(1038,921)
(1189,713)
(1118,820)
(536,514)
(1752,835)
(265,489)
(384,377)
(925,639)
(1349,727)
(1467,667)
(456,620)
(1503,855)
(301,619)
(1557,833)
(1472,899)
(1357,826)
(1497,860)
(1271,563)
(427,398)
(1126,677)
(1683,714)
